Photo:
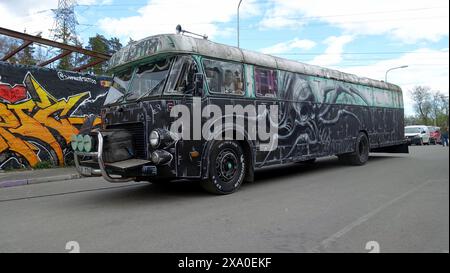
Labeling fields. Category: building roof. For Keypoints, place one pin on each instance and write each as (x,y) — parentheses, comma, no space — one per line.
(176,43)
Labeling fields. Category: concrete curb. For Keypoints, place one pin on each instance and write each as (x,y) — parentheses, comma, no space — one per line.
(55,178)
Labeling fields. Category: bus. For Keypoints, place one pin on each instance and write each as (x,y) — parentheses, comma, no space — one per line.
(187,108)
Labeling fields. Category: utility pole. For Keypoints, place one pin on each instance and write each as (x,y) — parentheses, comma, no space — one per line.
(390,69)
(65,27)
(239,5)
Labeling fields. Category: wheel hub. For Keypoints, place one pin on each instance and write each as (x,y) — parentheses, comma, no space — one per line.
(226,165)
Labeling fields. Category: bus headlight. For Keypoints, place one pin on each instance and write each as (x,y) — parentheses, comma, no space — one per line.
(161,137)
(161,157)
(87,143)
(155,138)
(80,143)
(74,142)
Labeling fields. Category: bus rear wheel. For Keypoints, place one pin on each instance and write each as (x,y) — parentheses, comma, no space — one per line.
(361,154)
(227,168)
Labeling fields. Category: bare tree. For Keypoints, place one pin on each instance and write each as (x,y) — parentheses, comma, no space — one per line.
(442,119)
(436,106)
(422,97)
(410,120)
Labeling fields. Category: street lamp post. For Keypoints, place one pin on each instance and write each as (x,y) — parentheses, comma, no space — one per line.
(390,69)
(239,5)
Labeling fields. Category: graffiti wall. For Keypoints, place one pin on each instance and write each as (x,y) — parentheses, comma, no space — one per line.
(40,109)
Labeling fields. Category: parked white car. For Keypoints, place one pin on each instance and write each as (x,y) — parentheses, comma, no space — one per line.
(417,134)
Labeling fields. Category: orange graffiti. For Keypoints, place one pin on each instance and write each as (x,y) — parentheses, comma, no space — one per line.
(36,119)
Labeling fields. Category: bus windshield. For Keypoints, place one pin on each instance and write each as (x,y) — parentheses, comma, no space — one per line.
(135,83)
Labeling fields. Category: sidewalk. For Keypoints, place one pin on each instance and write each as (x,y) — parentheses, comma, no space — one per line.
(21,177)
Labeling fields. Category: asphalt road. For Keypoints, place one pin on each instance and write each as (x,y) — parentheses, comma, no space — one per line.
(395,203)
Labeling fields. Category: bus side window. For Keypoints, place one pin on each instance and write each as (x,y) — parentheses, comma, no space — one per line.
(266,82)
(213,79)
(224,77)
(181,80)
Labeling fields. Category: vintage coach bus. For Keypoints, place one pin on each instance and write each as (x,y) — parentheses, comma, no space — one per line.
(320,112)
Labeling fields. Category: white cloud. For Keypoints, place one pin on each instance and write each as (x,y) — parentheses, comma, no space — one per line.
(29,15)
(426,67)
(280,17)
(94,2)
(333,53)
(161,16)
(34,16)
(406,20)
(288,46)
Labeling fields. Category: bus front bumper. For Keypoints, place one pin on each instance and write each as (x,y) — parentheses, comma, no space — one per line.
(116,172)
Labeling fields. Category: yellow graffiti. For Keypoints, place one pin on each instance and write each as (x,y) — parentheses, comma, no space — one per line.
(36,120)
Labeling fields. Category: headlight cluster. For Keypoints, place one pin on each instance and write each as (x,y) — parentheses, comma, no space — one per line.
(160,138)
(81,143)
(155,138)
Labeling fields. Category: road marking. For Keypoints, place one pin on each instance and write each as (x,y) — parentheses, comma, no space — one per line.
(328,241)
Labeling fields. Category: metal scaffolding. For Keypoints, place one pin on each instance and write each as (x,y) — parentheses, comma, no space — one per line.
(66,49)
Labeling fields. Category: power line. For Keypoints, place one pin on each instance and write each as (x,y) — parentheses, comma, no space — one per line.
(316,24)
(156,4)
(251,27)
(362,13)
(108,7)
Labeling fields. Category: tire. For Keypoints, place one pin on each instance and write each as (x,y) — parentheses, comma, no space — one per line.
(227,168)
(361,154)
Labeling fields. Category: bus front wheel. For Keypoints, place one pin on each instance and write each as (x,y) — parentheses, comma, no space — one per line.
(226,169)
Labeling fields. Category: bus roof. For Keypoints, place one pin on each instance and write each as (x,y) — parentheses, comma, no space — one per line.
(165,44)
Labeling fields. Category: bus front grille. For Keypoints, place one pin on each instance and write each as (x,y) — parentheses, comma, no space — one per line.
(138,133)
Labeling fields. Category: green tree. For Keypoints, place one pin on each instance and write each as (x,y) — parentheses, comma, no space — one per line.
(78,59)
(98,43)
(66,37)
(114,45)
(26,56)
(8,44)
(130,41)
(101,44)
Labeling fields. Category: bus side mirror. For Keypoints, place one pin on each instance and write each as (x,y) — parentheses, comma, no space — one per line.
(198,78)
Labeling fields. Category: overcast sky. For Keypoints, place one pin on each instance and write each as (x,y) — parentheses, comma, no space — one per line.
(364,37)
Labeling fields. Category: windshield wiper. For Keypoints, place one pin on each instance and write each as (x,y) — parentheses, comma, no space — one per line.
(124,97)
